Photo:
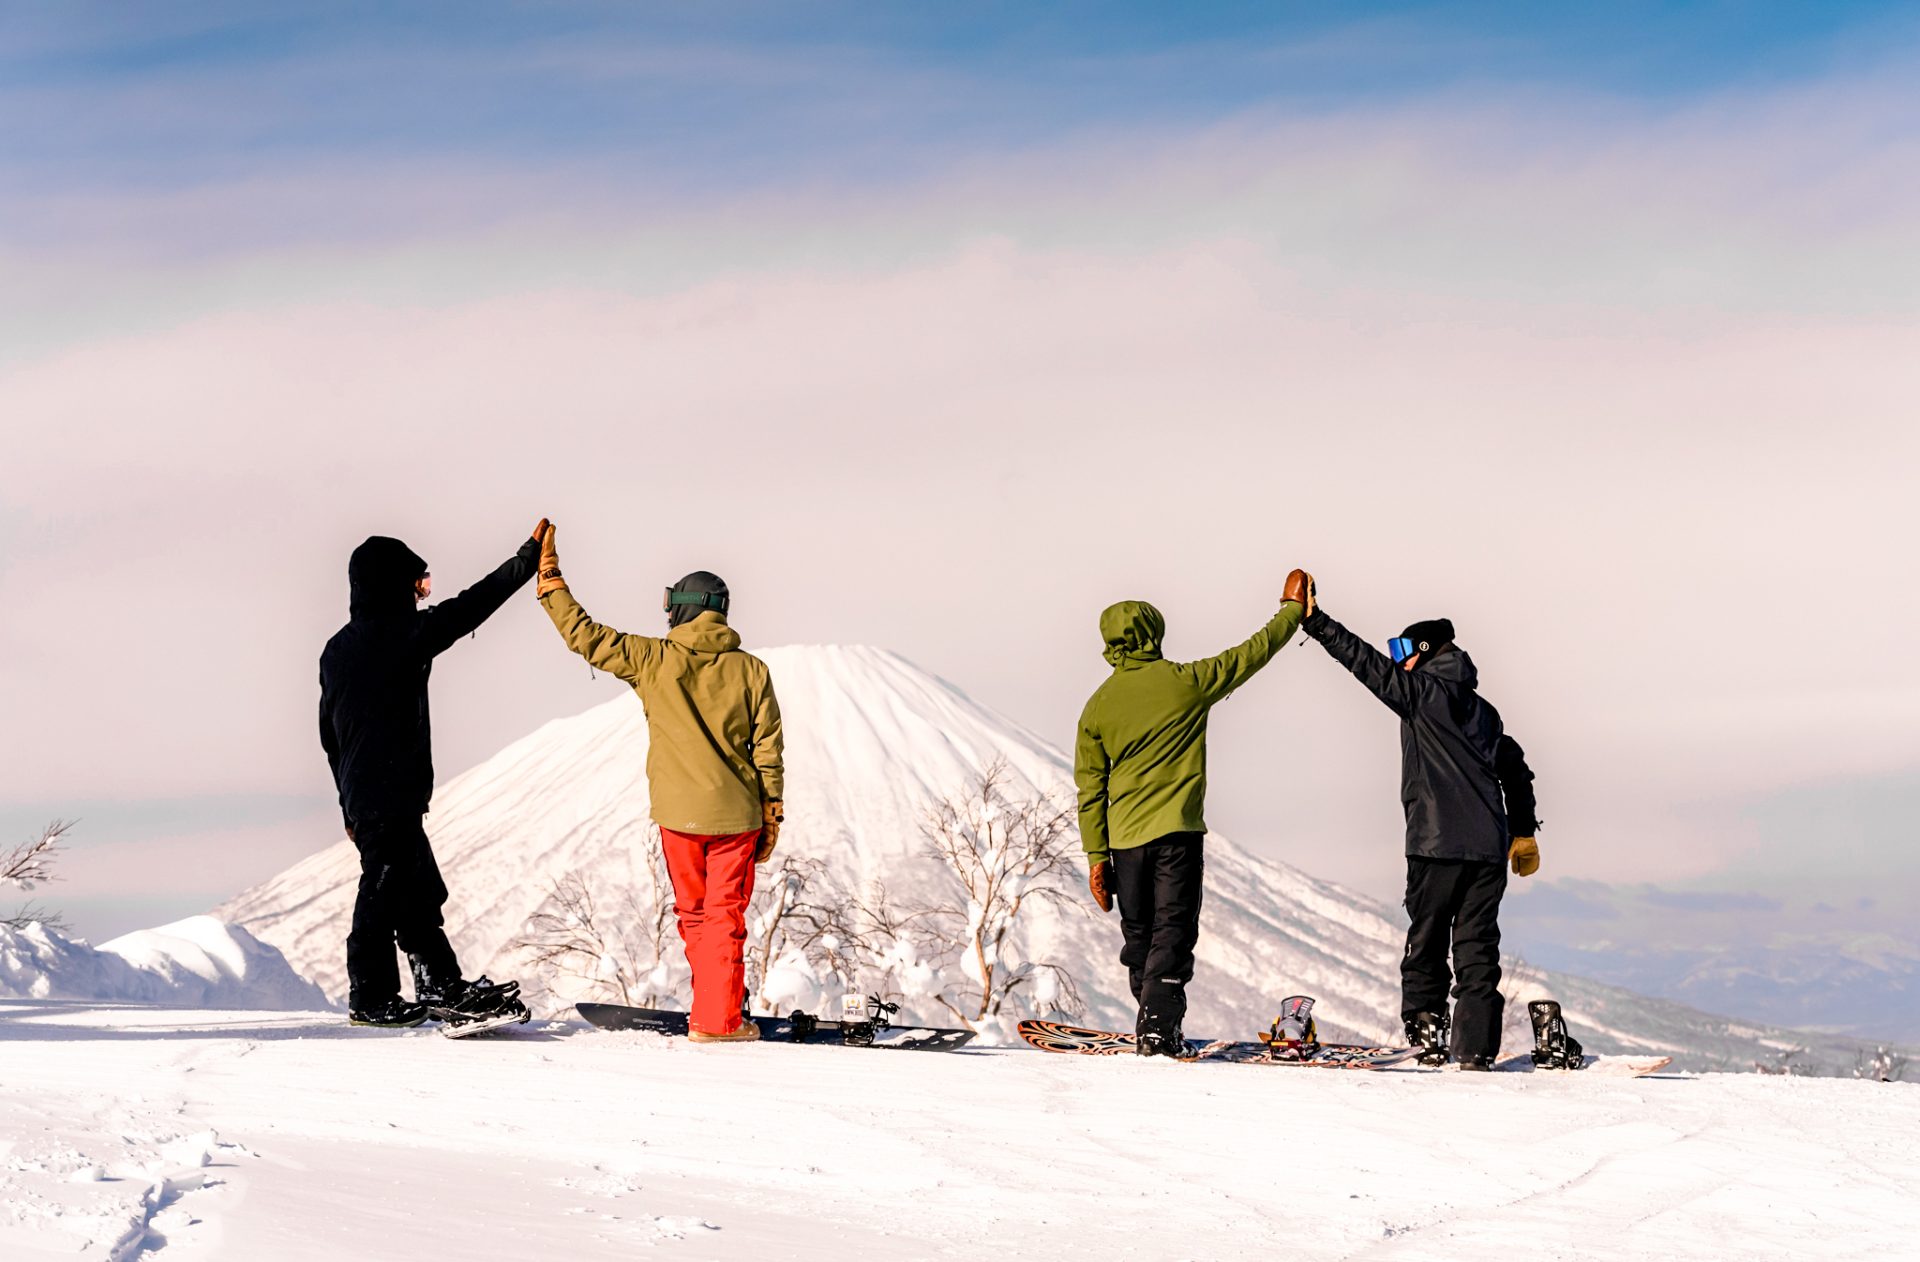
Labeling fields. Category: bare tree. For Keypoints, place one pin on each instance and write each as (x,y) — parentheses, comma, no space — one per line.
(30,864)
(1003,854)
(1885,1065)
(620,953)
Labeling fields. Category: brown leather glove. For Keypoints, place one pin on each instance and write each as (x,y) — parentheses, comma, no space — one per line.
(1525,856)
(772,811)
(549,571)
(1300,590)
(1100,884)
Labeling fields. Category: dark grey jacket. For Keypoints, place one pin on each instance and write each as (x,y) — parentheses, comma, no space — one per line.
(1464,783)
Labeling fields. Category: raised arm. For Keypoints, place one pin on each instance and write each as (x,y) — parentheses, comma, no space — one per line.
(1219,676)
(1369,665)
(604,648)
(1090,768)
(449,620)
(1516,785)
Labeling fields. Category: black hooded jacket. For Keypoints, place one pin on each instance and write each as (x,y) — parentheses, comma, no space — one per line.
(374,722)
(1464,783)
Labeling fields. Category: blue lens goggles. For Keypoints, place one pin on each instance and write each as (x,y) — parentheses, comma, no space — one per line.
(1401,648)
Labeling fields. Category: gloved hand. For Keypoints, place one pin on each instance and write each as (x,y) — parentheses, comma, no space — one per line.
(549,571)
(1525,856)
(1100,884)
(1300,590)
(772,811)
(540,531)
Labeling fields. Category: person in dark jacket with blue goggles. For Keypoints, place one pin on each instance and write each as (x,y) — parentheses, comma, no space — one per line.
(1468,796)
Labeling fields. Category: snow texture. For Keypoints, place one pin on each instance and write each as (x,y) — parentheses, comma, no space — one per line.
(204,1137)
(872,743)
(197,962)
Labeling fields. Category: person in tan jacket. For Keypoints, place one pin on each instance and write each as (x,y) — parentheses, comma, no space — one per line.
(714,769)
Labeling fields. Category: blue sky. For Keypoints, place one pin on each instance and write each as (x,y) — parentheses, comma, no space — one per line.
(1641,275)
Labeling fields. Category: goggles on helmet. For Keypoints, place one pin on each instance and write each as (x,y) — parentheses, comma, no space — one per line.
(1401,647)
(706,600)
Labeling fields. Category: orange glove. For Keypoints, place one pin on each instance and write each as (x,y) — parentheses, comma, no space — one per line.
(1525,856)
(549,571)
(1100,884)
(772,812)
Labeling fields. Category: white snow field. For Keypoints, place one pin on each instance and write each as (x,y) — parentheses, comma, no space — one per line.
(130,1132)
(872,742)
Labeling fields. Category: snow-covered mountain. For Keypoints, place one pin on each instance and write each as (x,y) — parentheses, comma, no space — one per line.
(872,743)
(198,962)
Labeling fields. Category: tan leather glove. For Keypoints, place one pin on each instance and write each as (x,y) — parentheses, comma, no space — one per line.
(772,811)
(549,571)
(1525,856)
(1100,884)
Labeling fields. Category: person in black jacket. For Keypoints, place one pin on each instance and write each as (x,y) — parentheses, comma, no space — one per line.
(1468,796)
(378,736)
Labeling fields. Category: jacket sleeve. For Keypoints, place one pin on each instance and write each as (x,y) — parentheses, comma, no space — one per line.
(329,741)
(451,619)
(1219,676)
(1396,687)
(769,743)
(615,652)
(1516,785)
(1090,768)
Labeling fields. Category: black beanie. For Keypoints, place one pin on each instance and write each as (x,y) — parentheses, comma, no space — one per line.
(698,583)
(1430,635)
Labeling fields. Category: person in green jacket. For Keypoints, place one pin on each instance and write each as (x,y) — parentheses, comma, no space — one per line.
(714,770)
(1140,764)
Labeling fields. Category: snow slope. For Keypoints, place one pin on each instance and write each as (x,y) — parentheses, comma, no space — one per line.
(871,741)
(197,962)
(193,1136)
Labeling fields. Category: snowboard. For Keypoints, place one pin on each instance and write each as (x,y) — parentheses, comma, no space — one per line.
(874,1030)
(516,1015)
(1051,1036)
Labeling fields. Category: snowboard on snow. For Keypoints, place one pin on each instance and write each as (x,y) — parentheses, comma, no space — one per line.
(864,1023)
(1592,1066)
(1292,1040)
(468,1027)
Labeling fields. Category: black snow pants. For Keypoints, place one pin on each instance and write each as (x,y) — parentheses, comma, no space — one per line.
(1158,888)
(1455,902)
(399,902)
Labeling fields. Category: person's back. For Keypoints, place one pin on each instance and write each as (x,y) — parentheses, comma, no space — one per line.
(1140,765)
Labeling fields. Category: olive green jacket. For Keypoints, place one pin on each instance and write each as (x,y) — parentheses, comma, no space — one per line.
(713,724)
(1140,762)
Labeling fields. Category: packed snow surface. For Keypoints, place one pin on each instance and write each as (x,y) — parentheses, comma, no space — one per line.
(129,1132)
(197,962)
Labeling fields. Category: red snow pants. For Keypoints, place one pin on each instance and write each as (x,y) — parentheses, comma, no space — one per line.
(712,884)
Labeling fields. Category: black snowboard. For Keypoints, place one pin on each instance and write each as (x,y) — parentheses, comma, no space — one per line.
(800,1027)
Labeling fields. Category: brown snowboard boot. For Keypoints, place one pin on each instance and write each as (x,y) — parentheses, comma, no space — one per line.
(746,1032)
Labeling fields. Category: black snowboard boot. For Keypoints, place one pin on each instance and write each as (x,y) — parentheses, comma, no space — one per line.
(1158,1043)
(1477,1064)
(1553,1047)
(1428,1032)
(456,999)
(395,1014)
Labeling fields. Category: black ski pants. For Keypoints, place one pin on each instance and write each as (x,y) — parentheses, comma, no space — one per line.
(1158,888)
(399,903)
(1455,902)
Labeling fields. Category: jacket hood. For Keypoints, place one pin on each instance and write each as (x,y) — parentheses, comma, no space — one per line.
(380,577)
(1454,666)
(1132,630)
(708,632)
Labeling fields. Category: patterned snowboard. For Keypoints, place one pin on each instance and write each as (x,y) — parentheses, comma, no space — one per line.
(798,1028)
(1073,1040)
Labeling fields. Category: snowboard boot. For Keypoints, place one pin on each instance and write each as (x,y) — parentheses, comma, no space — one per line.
(1476,1064)
(1160,1043)
(1553,1047)
(459,1000)
(745,1032)
(1428,1032)
(394,1014)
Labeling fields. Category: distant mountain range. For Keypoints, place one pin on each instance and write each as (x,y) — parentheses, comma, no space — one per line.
(872,743)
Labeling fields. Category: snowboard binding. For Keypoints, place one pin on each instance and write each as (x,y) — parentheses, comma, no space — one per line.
(864,1018)
(1293,1035)
(1428,1032)
(1553,1047)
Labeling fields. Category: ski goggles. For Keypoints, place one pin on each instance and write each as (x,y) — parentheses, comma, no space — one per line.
(706,600)
(1400,648)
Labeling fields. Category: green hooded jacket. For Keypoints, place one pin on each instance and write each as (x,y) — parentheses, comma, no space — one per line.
(1140,762)
(713,724)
